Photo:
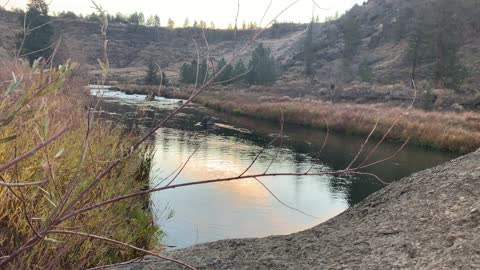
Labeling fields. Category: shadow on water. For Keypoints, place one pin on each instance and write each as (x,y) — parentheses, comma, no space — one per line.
(244,208)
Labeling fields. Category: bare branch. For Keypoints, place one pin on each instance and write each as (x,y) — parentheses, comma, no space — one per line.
(118,243)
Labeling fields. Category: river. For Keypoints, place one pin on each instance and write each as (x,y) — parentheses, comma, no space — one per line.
(246,208)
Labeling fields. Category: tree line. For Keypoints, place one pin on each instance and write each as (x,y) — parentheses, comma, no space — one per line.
(259,71)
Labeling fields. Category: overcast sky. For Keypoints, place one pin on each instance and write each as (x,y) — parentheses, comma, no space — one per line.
(221,12)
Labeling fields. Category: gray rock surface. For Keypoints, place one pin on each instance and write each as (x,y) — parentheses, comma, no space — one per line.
(429,220)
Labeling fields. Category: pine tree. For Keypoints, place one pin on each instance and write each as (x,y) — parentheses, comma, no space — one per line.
(36,43)
(186,23)
(240,69)
(151,76)
(261,66)
(227,74)
(308,51)
(156,21)
(365,72)
(171,23)
(352,37)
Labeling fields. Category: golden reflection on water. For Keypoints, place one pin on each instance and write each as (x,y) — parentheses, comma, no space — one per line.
(241,208)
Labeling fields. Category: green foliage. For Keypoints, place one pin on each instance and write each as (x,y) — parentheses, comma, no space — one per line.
(227,74)
(137,19)
(262,67)
(308,51)
(365,72)
(186,23)
(152,77)
(37,41)
(188,72)
(38,5)
(240,69)
(171,23)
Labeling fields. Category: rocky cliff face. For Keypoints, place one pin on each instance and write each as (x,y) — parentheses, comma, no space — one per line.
(430,220)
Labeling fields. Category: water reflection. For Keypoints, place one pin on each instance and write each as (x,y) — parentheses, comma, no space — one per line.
(245,208)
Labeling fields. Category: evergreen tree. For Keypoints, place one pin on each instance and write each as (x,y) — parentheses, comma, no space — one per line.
(437,39)
(188,72)
(150,21)
(135,19)
(351,36)
(186,24)
(261,66)
(365,72)
(227,74)
(36,43)
(156,21)
(171,23)
(152,77)
(240,69)
(308,51)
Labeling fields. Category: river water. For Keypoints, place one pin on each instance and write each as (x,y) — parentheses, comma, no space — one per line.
(246,208)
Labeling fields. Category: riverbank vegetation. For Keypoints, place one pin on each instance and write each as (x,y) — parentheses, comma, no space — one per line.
(449,131)
(45,115)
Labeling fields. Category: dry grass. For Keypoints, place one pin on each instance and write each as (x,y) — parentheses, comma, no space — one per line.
(25,210)
(450,131)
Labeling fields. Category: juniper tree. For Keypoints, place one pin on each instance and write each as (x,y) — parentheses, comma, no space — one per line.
(227,74)
(308,51)
(152,77)
(261,67)
(186,23)
(171,23)
(240,70)
(36,43)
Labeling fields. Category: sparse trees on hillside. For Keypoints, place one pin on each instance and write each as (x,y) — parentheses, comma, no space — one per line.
(202,24)
(35,43)
(261,67)
(436,39)
(137,19)
(154,21)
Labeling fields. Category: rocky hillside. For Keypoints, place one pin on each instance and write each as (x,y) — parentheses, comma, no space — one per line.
(382,46)
(430,220)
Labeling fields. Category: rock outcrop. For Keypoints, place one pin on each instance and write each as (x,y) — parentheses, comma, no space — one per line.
(430,220)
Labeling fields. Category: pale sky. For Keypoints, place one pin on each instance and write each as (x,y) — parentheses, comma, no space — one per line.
(221,12)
